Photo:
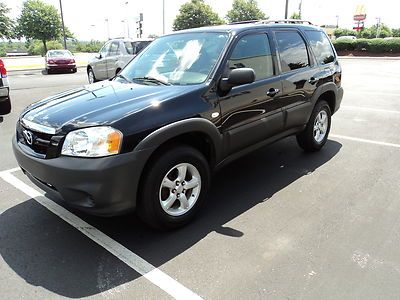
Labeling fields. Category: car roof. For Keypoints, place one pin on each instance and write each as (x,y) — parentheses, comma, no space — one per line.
(236,28)
(132,40)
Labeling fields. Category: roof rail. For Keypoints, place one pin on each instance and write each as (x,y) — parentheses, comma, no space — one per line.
(285,21)
(244,22)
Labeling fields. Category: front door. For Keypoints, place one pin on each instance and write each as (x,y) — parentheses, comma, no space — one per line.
(252,112)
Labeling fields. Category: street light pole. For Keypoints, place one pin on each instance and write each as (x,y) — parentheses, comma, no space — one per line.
(286,9)
(127,18)
(337,21)
(108,29)
(163,16)
(63,27)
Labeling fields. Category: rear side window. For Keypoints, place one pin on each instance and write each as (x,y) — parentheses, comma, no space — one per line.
(321,46)
(253,51)
(292,50)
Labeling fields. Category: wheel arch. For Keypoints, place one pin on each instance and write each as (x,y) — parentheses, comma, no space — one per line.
(326,92)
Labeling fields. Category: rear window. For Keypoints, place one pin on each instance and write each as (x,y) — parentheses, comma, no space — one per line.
(292,50)
(321,46)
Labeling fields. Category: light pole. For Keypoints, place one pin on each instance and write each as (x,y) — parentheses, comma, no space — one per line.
(63,27)
(286,9)
(337,21)
(163,16)
(127,17)
(378,25)
(108,29)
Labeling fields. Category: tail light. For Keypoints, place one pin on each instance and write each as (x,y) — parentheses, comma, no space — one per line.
(3,70)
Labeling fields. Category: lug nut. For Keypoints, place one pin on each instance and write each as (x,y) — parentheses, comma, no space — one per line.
(177,182)
(178,195)
(183,183)
(174,191)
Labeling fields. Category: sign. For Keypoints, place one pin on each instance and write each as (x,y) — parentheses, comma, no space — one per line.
(360,14)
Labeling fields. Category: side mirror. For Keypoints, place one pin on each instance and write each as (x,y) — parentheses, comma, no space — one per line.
(237,77)
(98,56)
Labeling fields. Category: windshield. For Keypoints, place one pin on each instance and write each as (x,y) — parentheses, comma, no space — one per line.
(178,59)
(59,53)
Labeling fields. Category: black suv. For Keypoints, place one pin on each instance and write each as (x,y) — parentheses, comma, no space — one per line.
(192,101)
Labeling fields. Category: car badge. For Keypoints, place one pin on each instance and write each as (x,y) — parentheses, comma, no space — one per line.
(28,137)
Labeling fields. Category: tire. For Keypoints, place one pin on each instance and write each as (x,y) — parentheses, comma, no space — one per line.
(74,70)
(48,71)
(91,76)
(160,202)
(5,106)
(315,135)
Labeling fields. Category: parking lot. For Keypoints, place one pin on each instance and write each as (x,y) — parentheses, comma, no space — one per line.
(279,223)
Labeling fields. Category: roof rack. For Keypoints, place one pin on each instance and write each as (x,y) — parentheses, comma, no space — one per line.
(285,21)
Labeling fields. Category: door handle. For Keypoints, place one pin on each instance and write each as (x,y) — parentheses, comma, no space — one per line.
(313,80)
(272,92)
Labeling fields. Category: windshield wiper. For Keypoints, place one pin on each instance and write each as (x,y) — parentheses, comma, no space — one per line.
(151,79)
(123,77)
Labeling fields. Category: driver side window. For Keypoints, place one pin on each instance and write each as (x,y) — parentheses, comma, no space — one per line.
(253,51)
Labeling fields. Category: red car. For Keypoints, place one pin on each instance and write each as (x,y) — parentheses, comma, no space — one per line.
(59,60)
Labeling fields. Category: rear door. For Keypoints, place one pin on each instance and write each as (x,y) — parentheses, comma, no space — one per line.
(100,65)
(251,112)
(299,74)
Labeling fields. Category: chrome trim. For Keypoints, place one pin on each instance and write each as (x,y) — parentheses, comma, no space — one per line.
(38,127)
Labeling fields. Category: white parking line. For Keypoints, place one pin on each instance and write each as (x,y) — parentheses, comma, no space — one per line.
(151,273)
(369,109)
(364,140)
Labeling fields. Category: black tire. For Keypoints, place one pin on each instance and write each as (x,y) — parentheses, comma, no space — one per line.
(149,207)
(90,70)
(48,71)
(5,106)
(74,70)
(306,139)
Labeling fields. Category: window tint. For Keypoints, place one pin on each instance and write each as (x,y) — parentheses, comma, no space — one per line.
(139,46)
(253,51)
(114,49)
(129,47)
(321,46)
(292,50)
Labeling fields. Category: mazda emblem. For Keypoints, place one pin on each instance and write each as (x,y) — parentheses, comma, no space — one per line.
(28,137)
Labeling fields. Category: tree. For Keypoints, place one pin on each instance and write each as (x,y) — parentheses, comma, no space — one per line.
(40,21)
(373,32)
(6,23)
(396,32)
(196,14)
(245,10)
(344,32)
(296,16)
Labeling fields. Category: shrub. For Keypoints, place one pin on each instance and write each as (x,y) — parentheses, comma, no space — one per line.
(92,46)
(343,32)
(369,45)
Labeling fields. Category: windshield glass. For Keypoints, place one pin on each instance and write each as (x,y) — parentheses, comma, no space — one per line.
(59,53)
(178,59)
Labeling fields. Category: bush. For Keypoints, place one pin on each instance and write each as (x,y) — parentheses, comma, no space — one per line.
(369,45)
(343,32)
(92,46)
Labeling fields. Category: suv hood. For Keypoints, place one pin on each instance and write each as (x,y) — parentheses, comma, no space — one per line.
(101,103)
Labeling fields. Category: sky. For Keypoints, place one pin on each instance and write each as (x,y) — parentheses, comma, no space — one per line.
(86,18)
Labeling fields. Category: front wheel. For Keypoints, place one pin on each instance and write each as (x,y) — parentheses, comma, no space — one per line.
(91,76)
(174,188)
(315,135)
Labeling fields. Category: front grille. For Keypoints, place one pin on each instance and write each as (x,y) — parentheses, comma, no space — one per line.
(44,144)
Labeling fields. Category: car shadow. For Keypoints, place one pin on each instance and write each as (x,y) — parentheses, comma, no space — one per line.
(49,253)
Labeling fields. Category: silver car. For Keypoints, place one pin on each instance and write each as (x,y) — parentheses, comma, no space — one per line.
(113,56)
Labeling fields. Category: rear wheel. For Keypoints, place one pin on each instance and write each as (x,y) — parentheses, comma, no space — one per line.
(91,76)
(314,137)
(174,188)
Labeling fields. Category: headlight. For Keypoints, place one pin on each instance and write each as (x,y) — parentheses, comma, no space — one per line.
(92,142)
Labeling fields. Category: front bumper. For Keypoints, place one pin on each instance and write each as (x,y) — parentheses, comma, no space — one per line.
(101,186)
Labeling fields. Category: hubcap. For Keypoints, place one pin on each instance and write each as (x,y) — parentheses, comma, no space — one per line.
(180,189)
(320,126)
(91,76)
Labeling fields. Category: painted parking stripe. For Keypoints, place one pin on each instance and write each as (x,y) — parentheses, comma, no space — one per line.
(369,109)
(364,140)
(151,273)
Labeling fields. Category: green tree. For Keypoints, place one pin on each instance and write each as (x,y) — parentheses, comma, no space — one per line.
(344,31)
(396,32)
(196,14)
(245,10)
(40,21)
(374,32)
(296,16)
(6,23)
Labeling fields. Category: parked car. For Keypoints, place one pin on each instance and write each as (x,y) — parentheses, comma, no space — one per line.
(346,37)
(59,60)
(188,104)
(5,102)
(113,57)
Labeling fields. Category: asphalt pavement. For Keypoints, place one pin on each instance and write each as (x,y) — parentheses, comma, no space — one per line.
(278,224)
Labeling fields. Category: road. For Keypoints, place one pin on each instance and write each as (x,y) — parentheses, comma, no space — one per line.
(278,224)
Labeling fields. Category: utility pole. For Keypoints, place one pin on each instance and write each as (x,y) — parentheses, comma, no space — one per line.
(163,16)
(286,9)
(108,29)
(63,27)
